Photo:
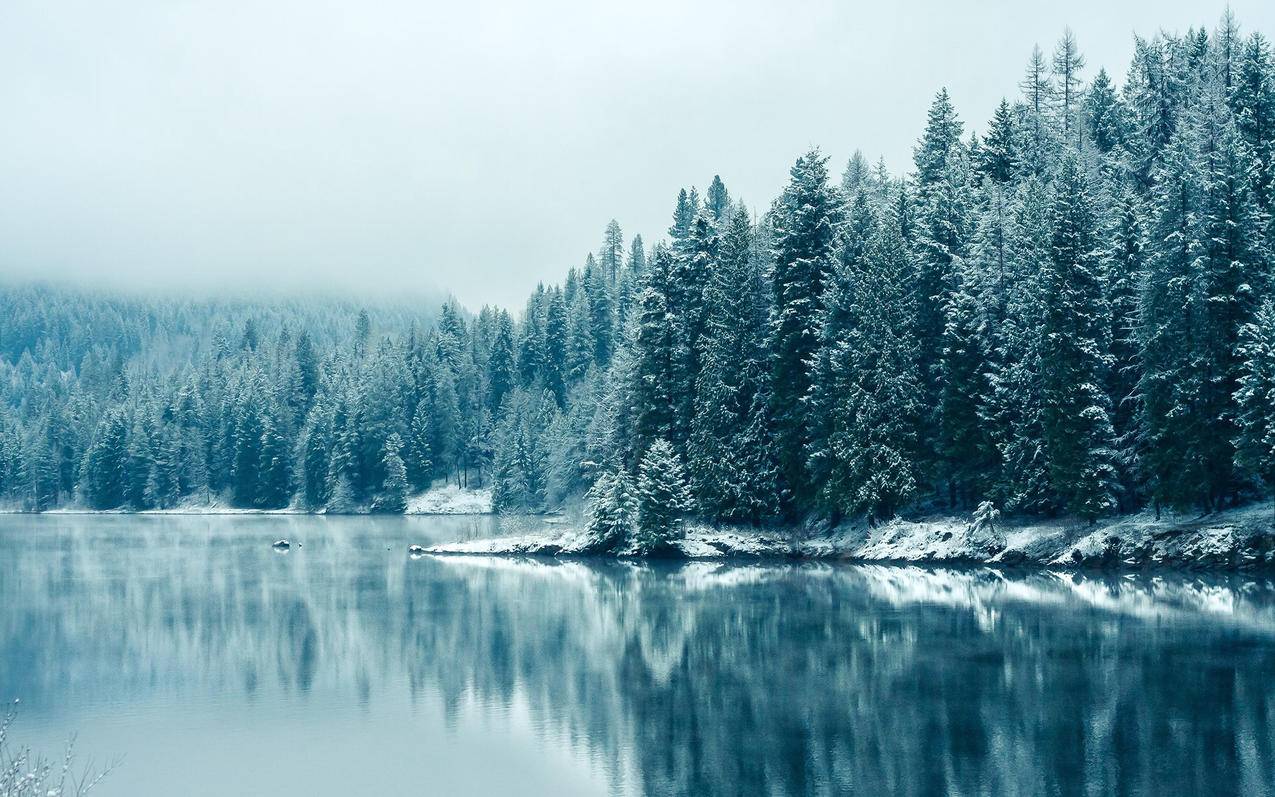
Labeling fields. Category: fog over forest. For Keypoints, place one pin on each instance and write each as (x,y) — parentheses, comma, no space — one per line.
(473,148)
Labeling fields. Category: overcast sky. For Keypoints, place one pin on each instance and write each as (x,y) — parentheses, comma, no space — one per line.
(477,147)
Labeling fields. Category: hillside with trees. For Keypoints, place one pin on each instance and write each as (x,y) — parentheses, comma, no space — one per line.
(1066,312)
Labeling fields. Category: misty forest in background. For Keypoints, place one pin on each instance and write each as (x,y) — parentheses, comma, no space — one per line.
(1068,313)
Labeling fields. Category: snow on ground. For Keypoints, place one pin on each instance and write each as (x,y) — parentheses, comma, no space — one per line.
(450,500)
(1231,540)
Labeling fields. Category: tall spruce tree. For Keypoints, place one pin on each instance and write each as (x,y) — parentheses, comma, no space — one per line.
(1076,419)
(806,222)
(871,388)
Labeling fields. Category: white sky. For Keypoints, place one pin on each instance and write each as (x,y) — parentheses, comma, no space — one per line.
(476,147)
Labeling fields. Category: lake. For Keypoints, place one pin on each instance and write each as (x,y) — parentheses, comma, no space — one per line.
(215,665)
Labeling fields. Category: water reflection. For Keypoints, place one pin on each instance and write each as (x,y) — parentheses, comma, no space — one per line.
(698,678)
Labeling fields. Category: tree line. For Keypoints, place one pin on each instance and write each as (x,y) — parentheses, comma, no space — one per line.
(1067,313)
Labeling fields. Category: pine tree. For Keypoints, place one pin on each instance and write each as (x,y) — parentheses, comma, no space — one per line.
(102,475)
(717,200)
(500,364)
(658,351)
(1104,113)
(1124,269)
(662,500)
(611,256)
(688,283)
(274,487)
(392,497)
(165,488)
(806,221)
(1253,98)
(1170,460)
(729,452)
(308,371)
(417,451)
(1076,421)
(871,387)
(1231,267)
(944,229)
(580,351)
(316,444)
(857,176)
(612,510)
(1255,442)
(1013,412)
(1068,63)
(1036,132)
(998,157)
(138,468)
(966,447)
(942,135)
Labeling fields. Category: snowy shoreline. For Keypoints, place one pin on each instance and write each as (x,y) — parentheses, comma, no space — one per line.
(1237,539)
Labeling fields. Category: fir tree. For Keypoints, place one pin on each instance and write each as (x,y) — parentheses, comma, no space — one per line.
(717,200)
(1255,441)
(729,406)
(1076,420)
(806,221)
(274,488)
(316,443)
(662,500)
(612,510)
(392,497)
(870,389)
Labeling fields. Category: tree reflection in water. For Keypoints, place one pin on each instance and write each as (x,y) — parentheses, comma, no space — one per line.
(695,678)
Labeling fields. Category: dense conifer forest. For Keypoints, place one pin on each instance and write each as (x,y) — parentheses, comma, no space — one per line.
(1067,310)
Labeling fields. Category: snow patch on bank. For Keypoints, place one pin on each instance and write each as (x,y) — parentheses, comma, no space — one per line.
(1232,540)
(450,500)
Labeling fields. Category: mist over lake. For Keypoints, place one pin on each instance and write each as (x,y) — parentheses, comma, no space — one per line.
(215,665)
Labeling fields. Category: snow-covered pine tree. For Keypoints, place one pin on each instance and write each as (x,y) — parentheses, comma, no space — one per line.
(689,280)
(139,467)
(1231,267)
(857,176)
(611,255)
(612,507)
(579,355)
(728,454)
(944,228)
(315,455)
(871,389)
(1124,270)
(392,498)
(657,355)
(998,157)
(1068,63)
(274,472)
(1255,442)
(601,316)
(1253,99)
(501,365)
(102,475)
(662,499)
(1166,387)
(1076,419)
(1106,124)
(806,221)
(717,200)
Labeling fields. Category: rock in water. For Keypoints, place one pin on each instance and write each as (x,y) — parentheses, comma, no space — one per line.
(281,545)
(415,550)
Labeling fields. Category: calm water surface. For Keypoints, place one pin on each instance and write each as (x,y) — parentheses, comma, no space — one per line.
(217,666)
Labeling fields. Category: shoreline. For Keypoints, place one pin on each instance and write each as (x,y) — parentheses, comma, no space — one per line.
(1232,540)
